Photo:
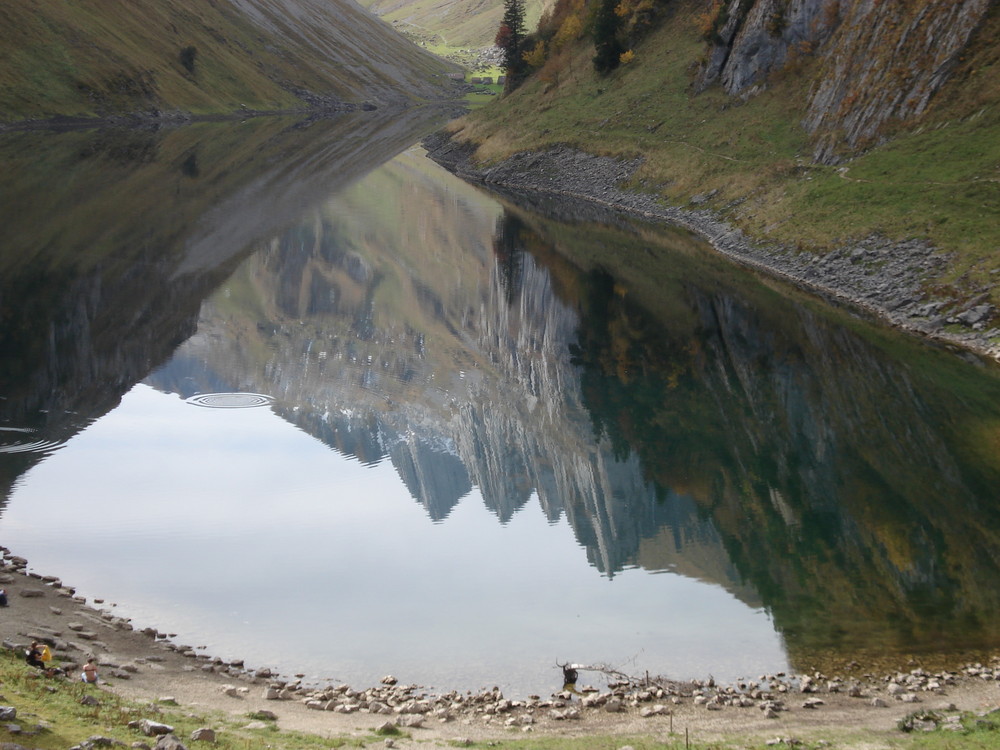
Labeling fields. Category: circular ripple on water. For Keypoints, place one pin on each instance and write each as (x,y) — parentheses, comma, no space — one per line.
(25,445)
(230,400)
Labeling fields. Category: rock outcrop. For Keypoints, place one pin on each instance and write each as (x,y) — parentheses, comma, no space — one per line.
(881,62)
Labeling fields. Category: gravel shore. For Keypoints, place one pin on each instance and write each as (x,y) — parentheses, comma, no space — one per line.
(886,280)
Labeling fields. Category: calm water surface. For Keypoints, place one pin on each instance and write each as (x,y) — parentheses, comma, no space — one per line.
(298,396)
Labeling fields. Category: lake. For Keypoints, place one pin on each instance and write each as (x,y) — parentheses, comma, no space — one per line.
(293,393)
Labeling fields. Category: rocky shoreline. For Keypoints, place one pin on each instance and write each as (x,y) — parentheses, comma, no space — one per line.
(886,280)
(145,663)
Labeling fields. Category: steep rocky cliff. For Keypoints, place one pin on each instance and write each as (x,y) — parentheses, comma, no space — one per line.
(881,62)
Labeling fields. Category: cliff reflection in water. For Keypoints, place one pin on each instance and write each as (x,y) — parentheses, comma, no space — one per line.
(111,239)
(710,425)
(850,475)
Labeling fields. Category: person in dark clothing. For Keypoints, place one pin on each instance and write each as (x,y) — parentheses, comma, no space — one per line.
(34,655)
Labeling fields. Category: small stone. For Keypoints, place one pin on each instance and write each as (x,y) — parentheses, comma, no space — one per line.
(89,700)
(8,713)
(168,742)
(204,734)
(614,705)
(878,703)
(151,728)
(31,593)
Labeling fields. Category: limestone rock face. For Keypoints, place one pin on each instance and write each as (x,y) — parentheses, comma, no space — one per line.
(885,63)
(882,62)
(763,35)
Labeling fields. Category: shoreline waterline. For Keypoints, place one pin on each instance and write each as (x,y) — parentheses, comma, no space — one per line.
(566,173)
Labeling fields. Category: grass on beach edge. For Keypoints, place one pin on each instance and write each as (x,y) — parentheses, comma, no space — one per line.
(52,716)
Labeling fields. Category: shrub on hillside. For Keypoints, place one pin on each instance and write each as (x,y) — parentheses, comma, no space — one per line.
(187,57)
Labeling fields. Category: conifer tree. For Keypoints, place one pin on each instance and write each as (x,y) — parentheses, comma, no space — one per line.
(510,39)
(606,43)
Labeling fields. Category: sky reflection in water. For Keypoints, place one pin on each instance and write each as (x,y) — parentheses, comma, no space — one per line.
(237,530)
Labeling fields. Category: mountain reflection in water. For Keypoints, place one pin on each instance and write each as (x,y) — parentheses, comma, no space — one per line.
(800,480)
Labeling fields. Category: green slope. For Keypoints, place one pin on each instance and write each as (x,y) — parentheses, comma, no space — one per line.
(89,58)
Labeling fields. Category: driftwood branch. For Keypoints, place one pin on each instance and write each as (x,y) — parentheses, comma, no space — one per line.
(619,678)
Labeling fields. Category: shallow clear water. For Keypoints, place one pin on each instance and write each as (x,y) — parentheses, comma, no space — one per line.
(386,426)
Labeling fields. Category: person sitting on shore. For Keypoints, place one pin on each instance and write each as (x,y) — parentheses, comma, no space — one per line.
(3,597)
(34,656)
(89,671)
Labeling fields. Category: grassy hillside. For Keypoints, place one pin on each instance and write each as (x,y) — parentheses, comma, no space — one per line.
(90,58)
(938,177)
